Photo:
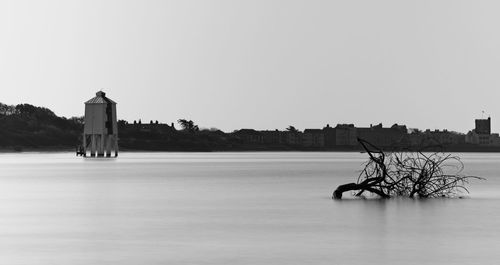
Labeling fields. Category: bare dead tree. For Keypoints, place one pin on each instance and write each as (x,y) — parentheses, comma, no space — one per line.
(408,174)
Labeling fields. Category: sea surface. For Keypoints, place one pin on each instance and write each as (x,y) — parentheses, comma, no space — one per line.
(233,208)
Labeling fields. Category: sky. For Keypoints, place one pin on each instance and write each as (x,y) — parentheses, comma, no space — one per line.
(264,64)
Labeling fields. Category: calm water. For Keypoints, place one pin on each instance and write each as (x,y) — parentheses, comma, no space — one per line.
(232,208)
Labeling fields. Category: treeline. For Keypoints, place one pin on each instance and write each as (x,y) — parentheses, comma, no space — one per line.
(28,127)
(25,126)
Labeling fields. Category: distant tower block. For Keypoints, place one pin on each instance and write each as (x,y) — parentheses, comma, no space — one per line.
(100,133)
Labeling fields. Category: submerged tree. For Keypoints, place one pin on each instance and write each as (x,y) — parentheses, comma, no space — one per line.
(408,174)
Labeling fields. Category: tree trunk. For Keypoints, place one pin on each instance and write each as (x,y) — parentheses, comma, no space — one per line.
(337,194)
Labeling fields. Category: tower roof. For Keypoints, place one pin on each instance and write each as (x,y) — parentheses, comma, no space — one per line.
(100,98)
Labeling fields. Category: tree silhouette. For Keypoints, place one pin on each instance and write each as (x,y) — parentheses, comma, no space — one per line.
(188,125)
(408,174)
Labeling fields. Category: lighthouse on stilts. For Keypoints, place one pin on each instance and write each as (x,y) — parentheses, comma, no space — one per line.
(100,133)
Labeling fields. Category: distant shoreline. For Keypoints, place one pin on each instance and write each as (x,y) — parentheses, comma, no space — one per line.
(27,128)
(56,149)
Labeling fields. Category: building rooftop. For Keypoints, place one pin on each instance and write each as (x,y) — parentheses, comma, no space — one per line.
(313,131)
(100,98)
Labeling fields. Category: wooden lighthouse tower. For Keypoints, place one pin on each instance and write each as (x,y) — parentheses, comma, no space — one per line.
(100,133)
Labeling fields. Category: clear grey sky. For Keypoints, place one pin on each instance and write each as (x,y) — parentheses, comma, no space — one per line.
(261,64)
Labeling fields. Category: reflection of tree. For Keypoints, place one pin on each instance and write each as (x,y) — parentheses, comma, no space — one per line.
(408,174)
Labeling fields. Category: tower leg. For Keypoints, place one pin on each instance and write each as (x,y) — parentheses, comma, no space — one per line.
(93,145)
(115,143)
(84,145)
(100,142)
(109,140)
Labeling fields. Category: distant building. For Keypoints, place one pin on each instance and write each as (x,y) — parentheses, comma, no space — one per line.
(444,137)
(481,135)
(484,139)
(346,135)
(249,136)
(483,126)
(342,135)
(472,137)
(154,127)
(292,138)
(272,137)
(384,137)
(495,139)
(329,134)
(313,138)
